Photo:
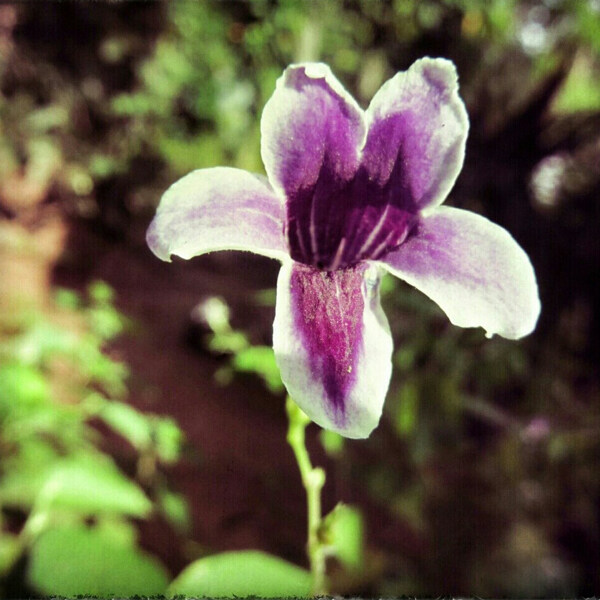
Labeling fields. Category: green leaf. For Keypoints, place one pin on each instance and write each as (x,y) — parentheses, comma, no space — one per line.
(119,529)
(76,560)
(22,387)
(100,292)
(407,408)
(168,438)
(175,509)
(387,286)
(184,155)
(68,299)
(92,485)
(245,573)
(260,360)
(105,321)
(345,532)
(47,118)
(10,550)
(228,342)
(102,166)
(332,442)
(25,473)
(581,89)
(128,422)
(266,297)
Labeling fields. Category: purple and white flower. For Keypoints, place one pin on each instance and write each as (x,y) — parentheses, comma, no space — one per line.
(351,194)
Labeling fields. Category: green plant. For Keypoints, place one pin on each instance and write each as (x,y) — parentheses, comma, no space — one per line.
(62,498)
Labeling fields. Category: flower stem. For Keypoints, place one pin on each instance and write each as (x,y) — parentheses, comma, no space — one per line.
(313,479)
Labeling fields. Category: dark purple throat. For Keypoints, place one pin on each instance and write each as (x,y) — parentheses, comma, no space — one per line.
(335,224)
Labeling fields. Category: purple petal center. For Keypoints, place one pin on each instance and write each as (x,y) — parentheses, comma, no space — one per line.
(334,224)
(329,319)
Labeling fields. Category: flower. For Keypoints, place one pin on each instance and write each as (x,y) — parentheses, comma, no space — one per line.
(351,194)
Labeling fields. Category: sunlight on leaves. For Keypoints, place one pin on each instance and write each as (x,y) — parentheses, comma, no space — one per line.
(61,564)
(260,360)
(244,573)
(91,485)
(345,532)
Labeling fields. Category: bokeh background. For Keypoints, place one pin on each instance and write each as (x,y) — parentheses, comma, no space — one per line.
(141,429)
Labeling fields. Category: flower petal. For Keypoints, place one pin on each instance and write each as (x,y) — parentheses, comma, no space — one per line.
(417,134)
(312,131)
(218,209)
(333,345)
(473,269)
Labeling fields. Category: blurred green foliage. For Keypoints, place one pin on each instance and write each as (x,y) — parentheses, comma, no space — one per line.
(73,559)
(488,449)
(63,498)
(196,92)
(241,574)
(344,530)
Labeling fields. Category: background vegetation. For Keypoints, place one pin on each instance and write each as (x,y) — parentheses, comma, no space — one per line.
(142,423)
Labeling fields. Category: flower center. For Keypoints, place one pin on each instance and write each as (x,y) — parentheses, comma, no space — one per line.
(330,243)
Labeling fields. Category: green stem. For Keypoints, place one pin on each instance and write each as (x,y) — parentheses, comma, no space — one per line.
(313,479)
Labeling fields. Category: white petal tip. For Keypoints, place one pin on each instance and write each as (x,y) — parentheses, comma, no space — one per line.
(316,70)
(438,70)
(156,246)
